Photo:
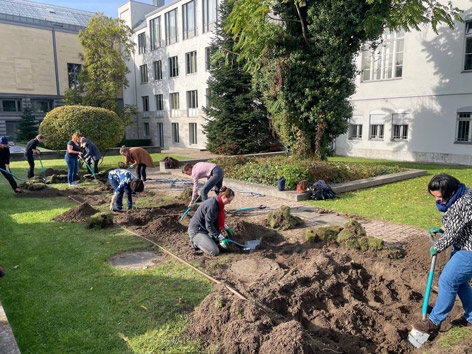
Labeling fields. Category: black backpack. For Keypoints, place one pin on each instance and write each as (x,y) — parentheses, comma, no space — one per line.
(321,191)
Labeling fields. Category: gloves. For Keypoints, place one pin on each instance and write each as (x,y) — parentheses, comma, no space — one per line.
(230,230)
(435,230)
(432,251)
(111,206)
(130,166)
(223,242)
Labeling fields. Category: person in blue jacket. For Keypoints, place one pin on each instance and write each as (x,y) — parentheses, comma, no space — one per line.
(92,154)
(122,181)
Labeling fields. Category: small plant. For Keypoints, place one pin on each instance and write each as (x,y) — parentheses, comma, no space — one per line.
(219,303)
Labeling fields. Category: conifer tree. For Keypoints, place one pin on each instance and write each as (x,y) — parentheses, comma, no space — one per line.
(28,127)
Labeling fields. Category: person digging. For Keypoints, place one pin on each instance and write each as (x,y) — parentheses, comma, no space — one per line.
(5,163)
(31,147)
(453,199)
(208,222)
(208,170)
(123,181)
(92,154)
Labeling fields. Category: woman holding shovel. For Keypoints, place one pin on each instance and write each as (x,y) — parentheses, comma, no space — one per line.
(72,155)
(209,219)
(208,170)
(92,154)
(139,158)
(5,164)
(453,199)
(31,147)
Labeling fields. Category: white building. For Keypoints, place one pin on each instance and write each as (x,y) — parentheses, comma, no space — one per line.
(169,69)
(414,97)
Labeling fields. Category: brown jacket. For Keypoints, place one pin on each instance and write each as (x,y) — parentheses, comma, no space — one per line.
(139,156)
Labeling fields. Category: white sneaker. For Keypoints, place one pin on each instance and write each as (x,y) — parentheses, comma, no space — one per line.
(75,184)
(71,185)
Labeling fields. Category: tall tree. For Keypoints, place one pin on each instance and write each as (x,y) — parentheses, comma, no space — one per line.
(107,44)
(302,53)
(238,122)
(28,127)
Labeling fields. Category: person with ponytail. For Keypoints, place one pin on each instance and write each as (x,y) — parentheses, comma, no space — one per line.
(206,225)
(139,158)
(212,172)
(453,199)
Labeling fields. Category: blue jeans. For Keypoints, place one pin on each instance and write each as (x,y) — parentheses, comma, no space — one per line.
(454,280)
(119,197)
(216,180)
(72,167)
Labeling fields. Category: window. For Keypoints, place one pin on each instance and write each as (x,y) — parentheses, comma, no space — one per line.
(463,127)
(192,133)
(207,58)
(159,102)
(143,71)
(191,62)
(142,43)
(174,104)
(468,46)
(175,133)
(385,60)
(155,32)
(171,26)
(145,103)
(173,66)
(160,134)
(192,99)
(355,131)
(146,129)
(157,66)
(73,71)
(11,105)
(376,131)
(41,106)
(209,14)
(188,20)
(400,126)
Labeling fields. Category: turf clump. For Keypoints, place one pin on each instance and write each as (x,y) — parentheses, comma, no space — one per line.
(282,219)
(57,179)
(99,221)
(186,195)
(33,185)
(325,234)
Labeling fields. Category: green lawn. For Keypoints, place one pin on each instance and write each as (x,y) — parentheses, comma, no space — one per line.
(61,296)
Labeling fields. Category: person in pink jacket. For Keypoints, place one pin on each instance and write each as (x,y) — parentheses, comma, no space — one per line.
(208,170)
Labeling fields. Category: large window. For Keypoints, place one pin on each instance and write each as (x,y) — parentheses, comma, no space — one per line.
(41,106)
(174,66)
(468,46)
(73,71)
(144,74)
(155,32)
(209,14)
(142,43)
(191,62)
(145,103)
(175,133)
(376,126)
(11,105)
(157,66)
(192,127)
(192,103)
(146,129)
(355,131)
(159,102)
(188,20)
(463,127)
(385,60)
(400,126)
(171,26)
(174,104)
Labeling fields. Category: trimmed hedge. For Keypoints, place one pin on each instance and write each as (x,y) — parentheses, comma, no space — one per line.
(268,170)
(100,125)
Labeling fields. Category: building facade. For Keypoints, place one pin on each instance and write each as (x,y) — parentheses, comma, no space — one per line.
(40,58)
(414,96)
(169,70)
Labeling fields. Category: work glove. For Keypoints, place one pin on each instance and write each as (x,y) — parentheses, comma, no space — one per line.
(222,241)
(432,251)
(190,205)
(111,206)
(435,230)
(130,166)
(230,230)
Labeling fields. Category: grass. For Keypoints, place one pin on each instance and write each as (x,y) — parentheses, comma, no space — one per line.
(61,296)
(454,336)
(406,202)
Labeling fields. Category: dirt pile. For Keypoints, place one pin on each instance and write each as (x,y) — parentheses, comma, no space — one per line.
(145,216)
(282,219)
(244,231)
(164,225)
(78,214)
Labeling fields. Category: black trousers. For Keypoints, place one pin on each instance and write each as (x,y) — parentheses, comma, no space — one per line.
(9,177)
(141,171)
(30,158)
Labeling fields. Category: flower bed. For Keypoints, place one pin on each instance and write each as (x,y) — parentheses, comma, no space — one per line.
(268,170)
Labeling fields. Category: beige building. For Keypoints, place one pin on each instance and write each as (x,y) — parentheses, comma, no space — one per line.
(40,58)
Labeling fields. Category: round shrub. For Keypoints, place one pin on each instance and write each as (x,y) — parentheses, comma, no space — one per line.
(100,125)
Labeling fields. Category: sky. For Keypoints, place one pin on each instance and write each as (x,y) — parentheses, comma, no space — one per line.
(108,7)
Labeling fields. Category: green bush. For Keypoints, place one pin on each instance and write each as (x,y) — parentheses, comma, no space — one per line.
(100,125)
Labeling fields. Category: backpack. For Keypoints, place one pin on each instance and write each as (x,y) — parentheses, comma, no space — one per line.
(301,186)
(170,162)
(320,190)
(281,184)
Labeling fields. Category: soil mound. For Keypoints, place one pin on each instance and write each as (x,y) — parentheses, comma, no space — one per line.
(144,216)
(289,337)
(282,219)
(78,214)
(164,225)
(245,231)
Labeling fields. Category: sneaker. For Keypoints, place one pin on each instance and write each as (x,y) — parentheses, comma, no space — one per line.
(193,245)
(462,322)
(75,184)
(71,185)
(426,326)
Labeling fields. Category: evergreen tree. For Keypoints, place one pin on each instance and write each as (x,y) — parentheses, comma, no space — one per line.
(28,127)
(238,122)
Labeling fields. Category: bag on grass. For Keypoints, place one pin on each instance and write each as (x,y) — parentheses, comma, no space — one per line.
(301,186)
(320,190)
(170,162)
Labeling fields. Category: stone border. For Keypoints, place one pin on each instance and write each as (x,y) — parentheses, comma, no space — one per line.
(8,343)
(337,187)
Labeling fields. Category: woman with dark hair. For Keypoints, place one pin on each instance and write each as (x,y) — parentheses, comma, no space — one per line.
(454,199)
(205,227)
(123,181)
(208,170)
(92,154)
(139,158)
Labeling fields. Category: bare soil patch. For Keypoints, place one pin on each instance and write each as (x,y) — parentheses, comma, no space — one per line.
(78,214)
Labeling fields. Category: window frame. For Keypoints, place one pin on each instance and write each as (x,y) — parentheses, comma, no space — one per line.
(174,66)
(464,117)
(142,43)
(157,68)
(379,131)
(355,131)
(17,103)
(159,100)
(209,23)
(143,73)
(468,40)
(171,39)
(188,32)
(191,62)
(35,102)
(145,102)
(175,133)
(193,133)
(155,33)
(147,131)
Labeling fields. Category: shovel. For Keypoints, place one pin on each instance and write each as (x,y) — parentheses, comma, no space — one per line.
(183,216)
(18,178)
(90,169)
(416,337)
(45,179)
(248,245)
(245,209)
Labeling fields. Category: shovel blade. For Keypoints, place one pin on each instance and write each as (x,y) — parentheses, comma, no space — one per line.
(417,338)
(251,245)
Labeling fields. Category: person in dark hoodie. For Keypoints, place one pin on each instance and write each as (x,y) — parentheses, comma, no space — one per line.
(92,154)
(5,163)
(205,227)
(32,146)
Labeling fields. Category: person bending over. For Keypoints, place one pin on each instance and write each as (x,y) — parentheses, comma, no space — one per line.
(92,154)
(208,170)
(123,181)
(139,158)
(5,163)
(31,147)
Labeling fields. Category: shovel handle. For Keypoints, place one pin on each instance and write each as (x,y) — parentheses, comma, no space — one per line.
(428,287)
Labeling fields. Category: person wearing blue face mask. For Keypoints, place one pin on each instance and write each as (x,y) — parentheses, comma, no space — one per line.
(453,199)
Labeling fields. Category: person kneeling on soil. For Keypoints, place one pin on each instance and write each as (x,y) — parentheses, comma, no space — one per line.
(123,181)
(209,219)
(454,199)
(5,163)
(208,170)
